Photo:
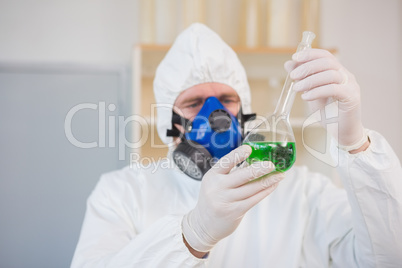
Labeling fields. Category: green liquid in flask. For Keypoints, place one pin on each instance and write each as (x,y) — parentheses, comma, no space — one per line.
(273,139)
(281,154)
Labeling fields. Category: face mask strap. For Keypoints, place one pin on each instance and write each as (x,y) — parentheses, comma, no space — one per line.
(177,119)
(243,118)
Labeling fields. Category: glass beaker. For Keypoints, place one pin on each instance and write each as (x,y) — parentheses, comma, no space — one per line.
(273,139)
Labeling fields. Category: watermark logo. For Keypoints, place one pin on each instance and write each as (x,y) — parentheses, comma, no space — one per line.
(113,131)
(328,119)
(121,128)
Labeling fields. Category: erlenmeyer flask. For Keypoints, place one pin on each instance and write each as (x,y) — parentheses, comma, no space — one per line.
(273,140)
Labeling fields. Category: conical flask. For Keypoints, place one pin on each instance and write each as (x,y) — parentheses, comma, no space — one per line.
(273,139)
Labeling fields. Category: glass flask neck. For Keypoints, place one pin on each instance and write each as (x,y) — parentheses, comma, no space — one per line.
(285,102)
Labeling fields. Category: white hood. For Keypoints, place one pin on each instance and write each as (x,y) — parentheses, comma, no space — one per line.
(197,56)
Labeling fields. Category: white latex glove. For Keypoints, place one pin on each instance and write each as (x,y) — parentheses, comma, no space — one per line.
(323,79)
(225,196)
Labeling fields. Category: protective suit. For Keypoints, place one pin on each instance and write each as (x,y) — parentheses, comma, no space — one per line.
(134,215)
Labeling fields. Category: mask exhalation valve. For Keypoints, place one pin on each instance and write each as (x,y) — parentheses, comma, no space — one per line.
(220,120)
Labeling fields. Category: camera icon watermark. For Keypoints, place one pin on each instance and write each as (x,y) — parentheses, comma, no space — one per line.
(328,119)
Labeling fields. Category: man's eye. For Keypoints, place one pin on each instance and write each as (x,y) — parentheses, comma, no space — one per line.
(193,105)
(227,101)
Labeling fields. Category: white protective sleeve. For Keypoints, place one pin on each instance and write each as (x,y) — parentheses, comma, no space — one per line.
(373,181)
(109,239)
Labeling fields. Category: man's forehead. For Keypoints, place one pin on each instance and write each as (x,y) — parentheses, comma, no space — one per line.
(206,90)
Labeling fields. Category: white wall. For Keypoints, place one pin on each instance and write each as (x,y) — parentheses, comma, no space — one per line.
(368,36)
(89,31)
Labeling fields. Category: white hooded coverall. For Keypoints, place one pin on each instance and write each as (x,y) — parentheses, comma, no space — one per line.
(134,215)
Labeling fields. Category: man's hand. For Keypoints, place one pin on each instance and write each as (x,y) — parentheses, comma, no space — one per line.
(225,196)
(323,79)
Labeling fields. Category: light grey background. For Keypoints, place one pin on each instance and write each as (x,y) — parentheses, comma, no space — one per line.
(45,179)
(57,54)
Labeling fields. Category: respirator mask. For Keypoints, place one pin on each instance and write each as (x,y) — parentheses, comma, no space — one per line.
(213,133)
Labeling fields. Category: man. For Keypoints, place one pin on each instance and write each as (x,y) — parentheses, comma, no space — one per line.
(240,216)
